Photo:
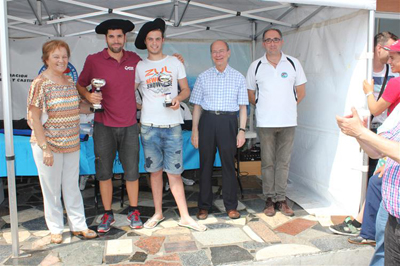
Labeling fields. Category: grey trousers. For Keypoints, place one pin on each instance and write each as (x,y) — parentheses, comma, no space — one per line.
(276,150)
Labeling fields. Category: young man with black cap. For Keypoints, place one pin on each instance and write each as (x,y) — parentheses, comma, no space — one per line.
(158,76)
(116,128)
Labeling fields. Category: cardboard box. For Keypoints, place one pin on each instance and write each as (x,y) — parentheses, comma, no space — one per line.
(250,167)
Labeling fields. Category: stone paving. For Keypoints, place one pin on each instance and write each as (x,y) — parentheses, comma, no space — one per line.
(252,239)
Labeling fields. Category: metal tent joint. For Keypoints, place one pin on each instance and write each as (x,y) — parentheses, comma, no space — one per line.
(10,158)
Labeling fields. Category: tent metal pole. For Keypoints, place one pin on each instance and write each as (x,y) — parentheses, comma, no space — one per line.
(50,17)
(253,57)
(39,11)
(32,31)
(176,13)
(370,51)
(183,13)
(39,18)
(8,128)
(310,16)
(22,20)
(246,14)
(371,29)
(253,40)
(279,18)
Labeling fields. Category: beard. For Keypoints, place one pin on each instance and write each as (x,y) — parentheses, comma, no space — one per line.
(114,49)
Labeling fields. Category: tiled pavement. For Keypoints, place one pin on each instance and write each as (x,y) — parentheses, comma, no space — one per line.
(254,239)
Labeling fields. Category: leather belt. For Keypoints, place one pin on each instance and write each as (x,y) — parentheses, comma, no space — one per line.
(159,126)
(219,112)
(375,125)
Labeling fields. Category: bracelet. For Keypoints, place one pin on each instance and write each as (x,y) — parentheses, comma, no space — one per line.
(242,129)
(368,94)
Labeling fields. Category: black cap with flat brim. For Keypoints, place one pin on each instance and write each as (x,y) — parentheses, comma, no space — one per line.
(157,24)
(114,24)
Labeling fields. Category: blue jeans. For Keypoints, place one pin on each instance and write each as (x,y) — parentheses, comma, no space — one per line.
(162,149)
(381,220)
(372,201)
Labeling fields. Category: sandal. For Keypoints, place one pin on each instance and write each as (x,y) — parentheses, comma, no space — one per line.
(88,234)
(152,222)
(56,238)
(194,226)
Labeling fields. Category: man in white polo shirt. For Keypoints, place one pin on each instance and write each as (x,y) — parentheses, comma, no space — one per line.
(276,84)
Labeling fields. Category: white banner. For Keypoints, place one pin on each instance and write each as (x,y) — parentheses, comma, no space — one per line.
(25,57)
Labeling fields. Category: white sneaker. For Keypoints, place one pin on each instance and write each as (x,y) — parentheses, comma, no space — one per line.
(82,181)
(188,182)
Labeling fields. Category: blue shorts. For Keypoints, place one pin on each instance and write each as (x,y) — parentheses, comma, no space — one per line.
(162,149)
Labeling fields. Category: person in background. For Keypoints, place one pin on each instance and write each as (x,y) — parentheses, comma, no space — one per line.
(158,76)
(116,128)
(276,85)
(53,115)
(218,94)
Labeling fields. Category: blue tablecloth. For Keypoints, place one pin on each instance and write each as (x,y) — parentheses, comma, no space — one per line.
(25,165)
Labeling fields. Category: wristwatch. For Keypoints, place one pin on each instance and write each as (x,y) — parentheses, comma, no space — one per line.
(242,129)
(43,147)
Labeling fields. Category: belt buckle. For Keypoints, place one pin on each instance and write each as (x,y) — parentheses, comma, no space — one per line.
(217,112)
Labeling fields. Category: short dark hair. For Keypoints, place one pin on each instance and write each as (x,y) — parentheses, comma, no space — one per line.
(227,45)
(162,32)
(124,32)
(383,37)
(52,45)
(267,30)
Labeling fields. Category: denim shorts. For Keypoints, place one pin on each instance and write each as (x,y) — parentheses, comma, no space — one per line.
(109,140)
(162,149)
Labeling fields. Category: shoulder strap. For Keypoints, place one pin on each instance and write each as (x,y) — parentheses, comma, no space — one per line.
(291,62)
(384,82)
(258,65)
(255,74)
(294,87)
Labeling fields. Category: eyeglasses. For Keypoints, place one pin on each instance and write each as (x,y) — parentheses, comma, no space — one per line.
(275,40)
(219,52)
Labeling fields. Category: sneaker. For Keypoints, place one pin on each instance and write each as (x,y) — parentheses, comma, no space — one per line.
(82,181)
(346,228)
(359,240)
(106,221)
(188,182)
(134,218)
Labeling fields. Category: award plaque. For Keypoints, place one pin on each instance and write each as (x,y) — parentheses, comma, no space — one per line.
(167,101)
(97,83)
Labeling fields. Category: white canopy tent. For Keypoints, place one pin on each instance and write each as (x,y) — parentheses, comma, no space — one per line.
(332,40)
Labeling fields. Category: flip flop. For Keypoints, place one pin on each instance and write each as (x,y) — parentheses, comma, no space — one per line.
(153,221)
(194,226)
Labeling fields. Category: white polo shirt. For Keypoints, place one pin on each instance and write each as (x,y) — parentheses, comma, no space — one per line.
(277,104)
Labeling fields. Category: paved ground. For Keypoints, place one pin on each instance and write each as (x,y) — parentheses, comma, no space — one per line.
(254,239)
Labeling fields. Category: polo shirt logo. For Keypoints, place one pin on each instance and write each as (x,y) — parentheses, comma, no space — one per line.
(129,68)
(284,75)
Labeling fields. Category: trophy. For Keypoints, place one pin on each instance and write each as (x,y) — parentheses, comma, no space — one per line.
(167,101)
(97,83)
